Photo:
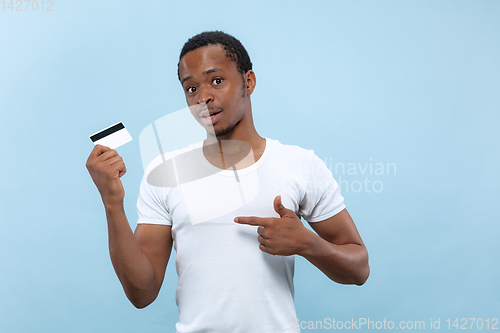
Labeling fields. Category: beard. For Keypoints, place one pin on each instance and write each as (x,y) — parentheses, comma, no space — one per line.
(224,131)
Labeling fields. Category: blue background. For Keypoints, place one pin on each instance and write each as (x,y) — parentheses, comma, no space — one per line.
(414,83)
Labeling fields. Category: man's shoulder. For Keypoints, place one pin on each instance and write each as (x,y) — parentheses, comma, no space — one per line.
(291,151)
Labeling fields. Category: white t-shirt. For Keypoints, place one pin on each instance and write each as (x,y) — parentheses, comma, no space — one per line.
(226,283)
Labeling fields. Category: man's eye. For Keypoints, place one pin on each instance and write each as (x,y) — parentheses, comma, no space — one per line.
(191,89)
(217,81)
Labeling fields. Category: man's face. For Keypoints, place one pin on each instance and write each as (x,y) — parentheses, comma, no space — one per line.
(215,90)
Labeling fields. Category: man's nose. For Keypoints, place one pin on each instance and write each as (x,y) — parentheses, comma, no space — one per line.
(205,95)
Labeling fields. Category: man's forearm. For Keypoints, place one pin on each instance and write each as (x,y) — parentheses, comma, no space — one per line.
(346,264)
(133,268)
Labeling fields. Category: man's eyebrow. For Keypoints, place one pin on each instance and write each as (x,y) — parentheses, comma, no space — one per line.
(213,70)
(185,79)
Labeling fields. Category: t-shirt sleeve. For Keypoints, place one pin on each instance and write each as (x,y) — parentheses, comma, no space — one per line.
(151,205)
(322,198)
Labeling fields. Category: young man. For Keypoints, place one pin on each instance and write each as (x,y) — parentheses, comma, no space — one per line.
(235,267)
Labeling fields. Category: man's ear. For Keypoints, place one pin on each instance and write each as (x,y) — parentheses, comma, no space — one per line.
(250,82)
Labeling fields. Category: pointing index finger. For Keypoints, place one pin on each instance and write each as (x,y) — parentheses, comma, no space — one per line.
(251,220)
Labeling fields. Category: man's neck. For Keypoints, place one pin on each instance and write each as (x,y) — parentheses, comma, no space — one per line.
(228,151)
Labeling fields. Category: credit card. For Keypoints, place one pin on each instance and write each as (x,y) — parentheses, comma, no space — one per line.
(113,136)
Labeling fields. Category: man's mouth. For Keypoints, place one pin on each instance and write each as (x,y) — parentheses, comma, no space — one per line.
(210,116)
(209,113)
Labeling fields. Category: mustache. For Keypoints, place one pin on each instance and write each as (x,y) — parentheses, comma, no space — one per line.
(203,109)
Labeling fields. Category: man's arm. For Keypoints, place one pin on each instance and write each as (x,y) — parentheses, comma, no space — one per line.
(139,260)
(338,251)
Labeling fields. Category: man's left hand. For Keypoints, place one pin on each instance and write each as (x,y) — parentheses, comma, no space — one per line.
(283,236)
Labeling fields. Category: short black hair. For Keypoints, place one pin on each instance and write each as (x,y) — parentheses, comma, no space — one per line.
(234,49)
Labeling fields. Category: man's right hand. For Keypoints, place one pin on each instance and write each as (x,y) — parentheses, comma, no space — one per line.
(106,167)
(139,259)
